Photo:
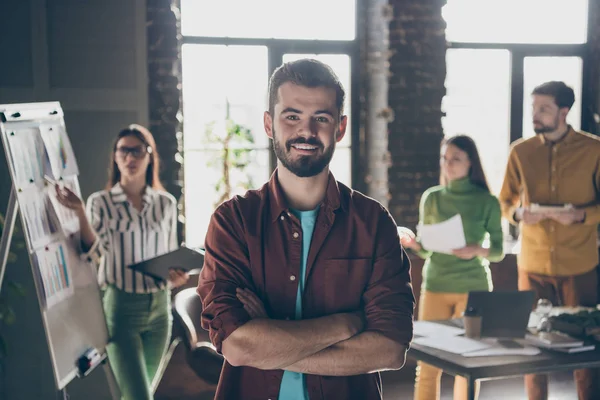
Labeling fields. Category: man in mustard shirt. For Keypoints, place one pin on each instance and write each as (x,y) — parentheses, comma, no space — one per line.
(559,250)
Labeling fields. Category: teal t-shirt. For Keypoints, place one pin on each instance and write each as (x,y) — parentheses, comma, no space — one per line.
(293,384)
(481,218)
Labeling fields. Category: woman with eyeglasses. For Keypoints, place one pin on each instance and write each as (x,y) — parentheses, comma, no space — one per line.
(448,278)
(132,220)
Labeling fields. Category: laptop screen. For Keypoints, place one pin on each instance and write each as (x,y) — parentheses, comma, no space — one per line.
(504,314)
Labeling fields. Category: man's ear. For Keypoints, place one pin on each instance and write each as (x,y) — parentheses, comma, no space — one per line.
(341,128)
(268,123)
(563,112)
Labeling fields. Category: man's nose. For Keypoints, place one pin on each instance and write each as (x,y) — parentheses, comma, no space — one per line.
(308,128)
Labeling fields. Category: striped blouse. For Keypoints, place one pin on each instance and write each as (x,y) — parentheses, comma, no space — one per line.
(127,236)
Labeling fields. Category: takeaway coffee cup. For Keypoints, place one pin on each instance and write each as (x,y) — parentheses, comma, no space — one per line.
(472,323)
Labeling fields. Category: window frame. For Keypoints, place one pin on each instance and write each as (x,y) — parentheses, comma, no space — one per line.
(277,48)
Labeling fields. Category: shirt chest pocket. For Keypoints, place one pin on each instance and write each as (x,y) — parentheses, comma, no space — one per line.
(345,283)
(121,226)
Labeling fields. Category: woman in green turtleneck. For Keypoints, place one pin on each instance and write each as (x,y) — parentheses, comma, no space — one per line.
(447,278)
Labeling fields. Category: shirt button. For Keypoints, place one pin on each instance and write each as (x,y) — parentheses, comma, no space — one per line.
(553,188)
(282,217)
(295,235)
(552,249)
(292,278)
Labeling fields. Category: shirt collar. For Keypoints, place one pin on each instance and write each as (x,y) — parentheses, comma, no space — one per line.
(279,204)
(568,138)
(117,194)
(462,185)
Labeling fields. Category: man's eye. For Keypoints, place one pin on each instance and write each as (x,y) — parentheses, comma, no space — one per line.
(322,119)
(292,117)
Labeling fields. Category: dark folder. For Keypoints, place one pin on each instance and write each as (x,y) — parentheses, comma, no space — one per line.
(189,260)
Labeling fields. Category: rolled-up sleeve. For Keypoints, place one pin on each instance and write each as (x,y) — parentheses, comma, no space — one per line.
(226,268)
(389,299)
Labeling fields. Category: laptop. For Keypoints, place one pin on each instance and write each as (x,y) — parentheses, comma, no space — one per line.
(504,314)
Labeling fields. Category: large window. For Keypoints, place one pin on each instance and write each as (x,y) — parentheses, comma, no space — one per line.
(477,103)
(517,21)
(537,70)
(227,60)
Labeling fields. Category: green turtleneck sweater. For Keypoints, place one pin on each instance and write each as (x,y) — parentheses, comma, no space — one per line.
(480,213)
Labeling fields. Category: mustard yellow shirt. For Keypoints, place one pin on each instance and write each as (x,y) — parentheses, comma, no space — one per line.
(565,172)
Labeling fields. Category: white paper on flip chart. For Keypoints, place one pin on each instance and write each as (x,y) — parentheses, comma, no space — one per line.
(443,237)
(433,329)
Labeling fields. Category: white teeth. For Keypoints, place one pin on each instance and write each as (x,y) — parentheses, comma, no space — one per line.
(304,147)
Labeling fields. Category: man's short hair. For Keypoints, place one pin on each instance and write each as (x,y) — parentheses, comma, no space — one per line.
(563,95)
(308,73)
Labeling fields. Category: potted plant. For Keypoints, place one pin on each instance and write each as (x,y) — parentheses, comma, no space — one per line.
(234,143)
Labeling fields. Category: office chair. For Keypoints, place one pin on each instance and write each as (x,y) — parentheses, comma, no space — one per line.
(201,355)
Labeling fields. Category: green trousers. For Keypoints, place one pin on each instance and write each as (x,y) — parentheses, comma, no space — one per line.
(139,326)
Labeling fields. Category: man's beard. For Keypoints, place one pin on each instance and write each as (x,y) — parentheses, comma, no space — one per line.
(303,166)
(546,128)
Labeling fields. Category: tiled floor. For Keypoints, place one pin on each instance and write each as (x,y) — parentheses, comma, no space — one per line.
(180,383)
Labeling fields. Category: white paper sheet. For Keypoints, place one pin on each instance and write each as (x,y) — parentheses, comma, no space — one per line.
(444,236)
(69,222)
(41,221)
(55,272)
(27,153)
(453,344)
(499,349)
(433,329)
(61,159)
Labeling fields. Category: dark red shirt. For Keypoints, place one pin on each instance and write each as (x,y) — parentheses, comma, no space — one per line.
(355,262)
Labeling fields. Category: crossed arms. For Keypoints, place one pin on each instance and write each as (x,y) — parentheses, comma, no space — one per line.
(368,340)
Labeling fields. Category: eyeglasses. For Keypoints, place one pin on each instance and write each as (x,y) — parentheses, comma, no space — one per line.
(137,152)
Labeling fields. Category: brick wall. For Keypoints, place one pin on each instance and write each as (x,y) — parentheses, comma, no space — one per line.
(416,88)
(164,88)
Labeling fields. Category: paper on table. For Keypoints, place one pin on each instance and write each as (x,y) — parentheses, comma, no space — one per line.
(431,329)
(443,237)
(453,344)
(502,351)
(498,349)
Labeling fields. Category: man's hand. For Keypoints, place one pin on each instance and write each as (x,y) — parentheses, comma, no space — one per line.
(355,321)
(252,304)
(568,217)
(471,251)
(530,218)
